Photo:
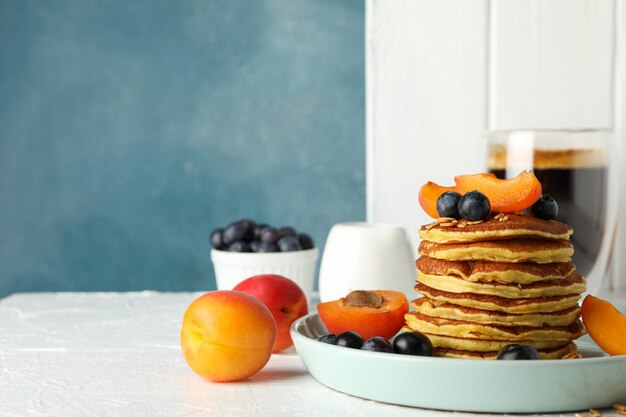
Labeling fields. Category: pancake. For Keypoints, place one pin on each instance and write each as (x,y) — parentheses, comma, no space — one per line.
(495,303)
(522,272)
(478,345)
(442,309)
(514,250)
(573,284)
(506,227)
(471,330)
(554,353)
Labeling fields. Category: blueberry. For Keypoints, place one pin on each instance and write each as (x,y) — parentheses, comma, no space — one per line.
(350,340)
(413,343)
(287,231)
(448,204)
(545,208)
(515,352)
(239,246)
(216,239)
(269,235)
(257,230)
(249,227)
(264,247)
(377,344)
(288,244)
(329,338)
(234,232)
(306,241)
(254,245)
(474,206)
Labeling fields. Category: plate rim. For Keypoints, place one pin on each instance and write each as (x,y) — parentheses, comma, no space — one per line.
(588,345)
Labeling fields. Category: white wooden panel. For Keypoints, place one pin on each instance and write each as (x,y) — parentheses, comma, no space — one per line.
(426,104)
(551,64)
(619,255)
(427,88)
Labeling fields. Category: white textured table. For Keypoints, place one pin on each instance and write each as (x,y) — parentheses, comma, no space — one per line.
(118,354)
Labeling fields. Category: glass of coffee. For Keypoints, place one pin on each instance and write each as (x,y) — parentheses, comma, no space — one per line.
(573,167)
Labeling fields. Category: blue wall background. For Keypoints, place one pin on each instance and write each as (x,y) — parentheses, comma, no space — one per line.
(129,130)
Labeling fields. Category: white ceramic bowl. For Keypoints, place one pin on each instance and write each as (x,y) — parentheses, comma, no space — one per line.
(233,267)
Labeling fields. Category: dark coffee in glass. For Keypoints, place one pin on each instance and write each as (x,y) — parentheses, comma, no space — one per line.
(572,168)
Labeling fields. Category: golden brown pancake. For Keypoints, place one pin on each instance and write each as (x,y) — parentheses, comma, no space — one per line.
(573,284)
(513,250)
(479,345)
(495,303)
(522,272)
(471,330)
(434,308)
(554,353)
(506,227)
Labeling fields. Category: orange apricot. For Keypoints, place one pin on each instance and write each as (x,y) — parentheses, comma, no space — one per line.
(368,313)
(509,195)
(227,335)
(428,195)
(605,324)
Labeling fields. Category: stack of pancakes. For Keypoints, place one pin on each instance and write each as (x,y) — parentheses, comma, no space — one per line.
(508,279)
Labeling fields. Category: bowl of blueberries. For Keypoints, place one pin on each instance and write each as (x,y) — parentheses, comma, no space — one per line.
(245,248)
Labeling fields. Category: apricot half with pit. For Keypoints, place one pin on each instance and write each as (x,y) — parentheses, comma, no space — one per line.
(368,313)
(605,324)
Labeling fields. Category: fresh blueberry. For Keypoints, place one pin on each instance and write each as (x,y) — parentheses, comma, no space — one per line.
(306,241)
(413,343)
(269,235)
(329,338)
(287,231)
(239,246)
(515,352)
(264,247)
(545,208)
(234,232)
(288,244)
(216,239)
(249,227)
(377,344)
(254,246)
(474,206)
(257,231)
(350,340)
(448,204)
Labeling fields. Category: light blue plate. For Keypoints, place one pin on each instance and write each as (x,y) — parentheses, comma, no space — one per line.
(596,381)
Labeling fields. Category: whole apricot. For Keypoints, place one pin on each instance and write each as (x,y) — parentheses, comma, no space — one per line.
(284,298)
(227,335)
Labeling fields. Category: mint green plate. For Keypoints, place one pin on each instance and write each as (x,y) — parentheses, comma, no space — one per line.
(596,381)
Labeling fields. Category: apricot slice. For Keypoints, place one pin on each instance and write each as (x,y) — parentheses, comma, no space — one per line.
(605,324)
(368,313)
(428,195)
(509,195)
